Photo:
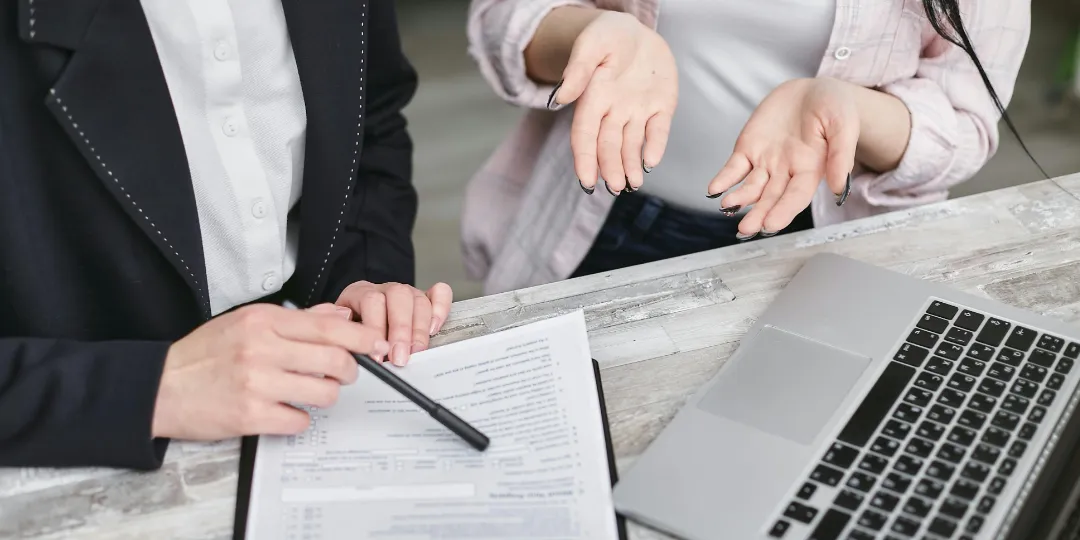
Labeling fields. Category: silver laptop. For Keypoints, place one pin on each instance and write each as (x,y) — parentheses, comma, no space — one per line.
(867,404)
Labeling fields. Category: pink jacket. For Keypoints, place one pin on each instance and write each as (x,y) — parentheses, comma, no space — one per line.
(526,221)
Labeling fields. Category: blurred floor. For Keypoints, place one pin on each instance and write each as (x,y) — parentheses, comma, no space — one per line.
(456,120)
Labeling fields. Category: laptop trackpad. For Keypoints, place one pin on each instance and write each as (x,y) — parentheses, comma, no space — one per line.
(785,385)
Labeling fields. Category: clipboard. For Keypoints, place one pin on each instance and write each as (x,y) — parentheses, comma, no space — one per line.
(249,445)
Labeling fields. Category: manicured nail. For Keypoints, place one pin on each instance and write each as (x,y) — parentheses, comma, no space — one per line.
(551,98)
(587,190)
(380,349)
(645,167)
(714,195)
(766,234)
(628,188)
(613,194)
(844,194)
(731,210)
(418,347)
(344,312)
(436,324)
(400,355)
(744,237)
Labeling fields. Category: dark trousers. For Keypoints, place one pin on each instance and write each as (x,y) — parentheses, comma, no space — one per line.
(641,229)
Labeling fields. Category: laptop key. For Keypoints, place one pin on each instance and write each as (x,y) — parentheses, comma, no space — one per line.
(1064,365)
(1006,420)
(857,534)
(827,475)
(1034,372)
(971,366)
(872,520)
(1046,397)
(896,482)
(969,320)
(1010,356)
(986,453)
(800,512)
(873,464)
(919,398)
(1001,372)
(905,526)
(974,524)
(1050,343)
(951,453)
(848,499)
(939,365)
(877,404)
(917,506)
(1015,404)
(993,332)
(919,447)
(950,397)
(959,335)
(972,419)
(986,504)
(948,350)
(831,525)
(928,381)
(923,338)
(1021,338)
(779,529)
(954,508)
(932,323)
(943,527)
(912,355)
(1037,414)
(896,429)
(996,436)
(840,455)
(1007,467)
(965,489)
(1027,431)
(1072,351)
(943,310)
(992,387)
(908,412)
(975,471)
(941,413)
(962,436)
(1055,381)
(1024,388)
(885,446)
(996,486)
(982,402)
(806,491)
(929,488)
(861,481)
(940,470)
(1042,358)
(884,501)
(930,430)
(983,353)
(908,464)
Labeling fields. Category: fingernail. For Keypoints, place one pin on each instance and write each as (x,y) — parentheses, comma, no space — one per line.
(400,356)
(628,188)
(744,237)
(844,194)
(551,99)
(613,194)
(587,190)
(418,347)
(645,167)
(380,349)
(714,195)
(344,312)
(766,234)
(731,210)
(435,325)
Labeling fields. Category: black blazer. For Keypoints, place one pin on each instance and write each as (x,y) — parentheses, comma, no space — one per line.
(101,263)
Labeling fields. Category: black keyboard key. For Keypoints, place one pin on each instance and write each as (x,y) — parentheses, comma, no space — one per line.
(981,352)
(1017,449)
(954,508)
(928,381)
(994,332)
(919,448)
(940,470)
(1037,414)
(1064,365)
(959,336)
(965,489)
(1051,343)
(972,367)
(919,398)
(974,525)
(800,512)
(912,355)
(951,351)
(934,324)
(840,455)
(1006,420)
(1015,404)
(952,398)
(939,365)
(831,525)
(930,489)
(969,320)
(950,452)
(872,520)
(986,504)
(907,412)
(896,482)
(1027,431)
(1007,467)
(1021,338)
(859,534)
(896,429)
(1042,358)
(942,527)
(992,387)
(962,436)
(1033,372)
(1055,381)
(1010,356)
(876,404)
(923,338)
(987,453)
(827,475)
(1001,372)
(995,436)
(873,464)
(861,481)
(885,446)
(996,486)
(1046,398)
(930,430)
(908,464)
(848,499)
(806,491)
(982,403)
(904,526)
(884,501)
(943,310)
(1072,351)
(917,506)
(972,419)
(975,471)
(941,413)
(779,529)
(1024,388)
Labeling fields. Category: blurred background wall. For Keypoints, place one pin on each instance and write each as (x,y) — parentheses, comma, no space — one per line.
(456,121)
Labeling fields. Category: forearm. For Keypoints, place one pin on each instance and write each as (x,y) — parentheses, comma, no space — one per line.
(884,130)
(549,51)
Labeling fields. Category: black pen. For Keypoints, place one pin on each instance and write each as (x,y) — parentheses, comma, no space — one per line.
(443,415)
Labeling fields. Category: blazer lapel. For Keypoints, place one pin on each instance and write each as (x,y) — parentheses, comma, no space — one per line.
(328,38)
(113,101)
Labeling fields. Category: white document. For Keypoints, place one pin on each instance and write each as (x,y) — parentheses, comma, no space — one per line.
(376,466)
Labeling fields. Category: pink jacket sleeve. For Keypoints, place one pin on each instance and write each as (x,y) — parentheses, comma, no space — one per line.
(954,123)
(498,32)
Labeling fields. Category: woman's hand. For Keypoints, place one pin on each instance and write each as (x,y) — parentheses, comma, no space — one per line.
(622,77)
(406,317)
(805,130)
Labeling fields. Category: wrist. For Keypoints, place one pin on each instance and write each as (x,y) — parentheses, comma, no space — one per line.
(884,128)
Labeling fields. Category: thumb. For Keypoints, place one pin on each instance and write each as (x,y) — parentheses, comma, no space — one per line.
(842,138)
(584,59)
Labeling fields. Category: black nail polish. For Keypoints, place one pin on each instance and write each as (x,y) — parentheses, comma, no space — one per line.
(714,195)
(645,167)
(744,237)
(587,190)
(844,194)
(731,210)
(613,194)
(766,234)
(628,188)
(551,98)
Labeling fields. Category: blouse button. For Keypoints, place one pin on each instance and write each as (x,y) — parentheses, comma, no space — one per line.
(842,53)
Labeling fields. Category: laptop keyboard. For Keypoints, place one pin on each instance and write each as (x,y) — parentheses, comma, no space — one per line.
(938,437)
